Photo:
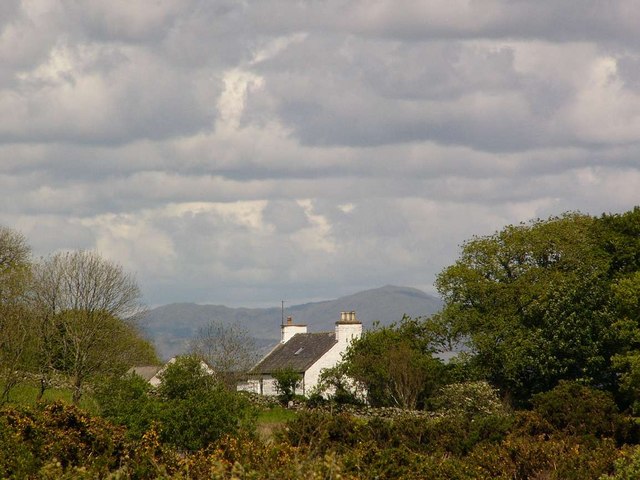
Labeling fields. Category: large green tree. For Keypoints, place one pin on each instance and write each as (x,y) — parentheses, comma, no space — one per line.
(620,238)
(395,364)
(536,302)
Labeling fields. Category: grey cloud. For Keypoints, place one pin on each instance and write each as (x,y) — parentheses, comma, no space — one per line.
(285,215)
(629,70)
(129,21)
(372,138)
(383,93)
(138,97)
(417,20)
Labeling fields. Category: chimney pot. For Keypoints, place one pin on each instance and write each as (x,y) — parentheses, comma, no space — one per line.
(289,320)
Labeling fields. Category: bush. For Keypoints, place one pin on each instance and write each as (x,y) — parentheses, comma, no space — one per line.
(627,467)
(578,410)
(126,401)
(469,399)
(195,422)
(287,380)
(48,435)
(190,408)
(320,432)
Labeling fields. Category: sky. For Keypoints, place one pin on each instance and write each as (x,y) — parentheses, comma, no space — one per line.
(248,152)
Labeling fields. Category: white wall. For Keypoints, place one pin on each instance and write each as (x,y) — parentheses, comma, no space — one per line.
(263,386)
(345,334)
(288,331)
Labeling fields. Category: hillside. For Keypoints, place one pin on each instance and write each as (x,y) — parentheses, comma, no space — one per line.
(172,326)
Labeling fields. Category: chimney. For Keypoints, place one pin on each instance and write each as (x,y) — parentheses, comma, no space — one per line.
(348,327)
(290,329)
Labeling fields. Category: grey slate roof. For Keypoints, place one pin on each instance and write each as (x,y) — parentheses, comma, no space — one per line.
(299,353)
(147,372)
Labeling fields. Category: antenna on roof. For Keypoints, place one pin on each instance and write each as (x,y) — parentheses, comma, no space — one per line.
(282,321)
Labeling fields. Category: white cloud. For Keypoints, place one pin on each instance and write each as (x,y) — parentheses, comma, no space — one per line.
(244,152)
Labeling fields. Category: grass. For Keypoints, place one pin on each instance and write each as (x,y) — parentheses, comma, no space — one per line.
(26,394)
(276,415)
(269,421)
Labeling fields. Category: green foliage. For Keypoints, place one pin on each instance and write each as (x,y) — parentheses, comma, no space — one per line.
(85,310)
(15,338)
(193,422)
(395,365)
(56,434)
(337,387)
(127,401)
(627,467)
(320,432)
(543,302)
(190,408)
(580,410)
(186,376)
(287,380)
(59,441)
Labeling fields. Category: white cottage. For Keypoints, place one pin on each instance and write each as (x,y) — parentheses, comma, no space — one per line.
(306,353)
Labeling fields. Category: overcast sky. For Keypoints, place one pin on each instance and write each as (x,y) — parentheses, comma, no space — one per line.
(246,152)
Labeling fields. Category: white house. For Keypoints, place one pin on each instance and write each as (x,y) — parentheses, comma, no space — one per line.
(306,353)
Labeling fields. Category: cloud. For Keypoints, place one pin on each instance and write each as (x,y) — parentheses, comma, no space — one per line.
(246,152)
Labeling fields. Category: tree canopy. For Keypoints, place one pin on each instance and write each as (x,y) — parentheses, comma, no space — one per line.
(552,300)
(394,365)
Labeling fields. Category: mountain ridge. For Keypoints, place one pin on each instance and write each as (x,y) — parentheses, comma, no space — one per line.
(172,326)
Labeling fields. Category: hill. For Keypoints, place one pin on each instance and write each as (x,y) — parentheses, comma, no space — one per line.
(172,326)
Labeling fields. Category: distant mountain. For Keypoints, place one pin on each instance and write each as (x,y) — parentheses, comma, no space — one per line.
(171,327)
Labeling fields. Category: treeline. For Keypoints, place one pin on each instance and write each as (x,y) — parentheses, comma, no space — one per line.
(547,385)
(529,306)
(70,316)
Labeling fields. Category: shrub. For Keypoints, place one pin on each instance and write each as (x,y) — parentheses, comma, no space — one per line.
(626,468)
(287,380)
(48,435)
(469,399)
(578,410)
(198,420)
(126,401)
(320,432)
(190,408)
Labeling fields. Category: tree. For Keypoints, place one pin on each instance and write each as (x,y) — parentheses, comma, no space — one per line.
(534,303)
(619,236)
(228,349)
(196,409)
(87,310)
(15,267)
(395,364)
(287,380)
(126,400)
